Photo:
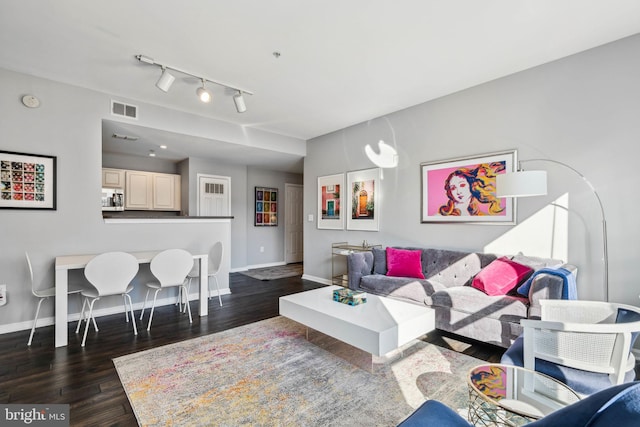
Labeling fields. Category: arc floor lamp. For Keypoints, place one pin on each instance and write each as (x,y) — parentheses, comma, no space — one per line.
(534,183)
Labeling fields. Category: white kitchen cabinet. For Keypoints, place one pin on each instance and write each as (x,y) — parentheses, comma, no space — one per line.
(112,178)
(152,191)
(166,192)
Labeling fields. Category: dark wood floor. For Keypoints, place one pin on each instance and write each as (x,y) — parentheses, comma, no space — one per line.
(86,379)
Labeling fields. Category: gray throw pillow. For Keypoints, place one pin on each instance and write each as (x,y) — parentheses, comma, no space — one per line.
(536,262)
(379,261)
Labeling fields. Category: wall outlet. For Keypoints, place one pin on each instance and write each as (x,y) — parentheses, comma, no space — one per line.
(3,294)
(261,248)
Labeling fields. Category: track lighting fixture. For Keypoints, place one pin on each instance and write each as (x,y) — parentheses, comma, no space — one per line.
(166,80)
(203,93)
(238,99)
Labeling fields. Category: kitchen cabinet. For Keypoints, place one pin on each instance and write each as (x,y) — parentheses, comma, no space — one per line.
(112,178)
(152,191)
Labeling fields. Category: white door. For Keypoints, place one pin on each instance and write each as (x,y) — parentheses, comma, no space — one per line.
(214,195)
(293,223)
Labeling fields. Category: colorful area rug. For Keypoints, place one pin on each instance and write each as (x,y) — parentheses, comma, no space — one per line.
(272,273)
(268,374)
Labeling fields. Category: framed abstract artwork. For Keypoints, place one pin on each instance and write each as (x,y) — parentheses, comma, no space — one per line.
(27,181)
(363,188)
(266,203)
(464,190)
(330,214)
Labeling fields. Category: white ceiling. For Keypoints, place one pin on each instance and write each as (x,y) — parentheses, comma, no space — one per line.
(342,61)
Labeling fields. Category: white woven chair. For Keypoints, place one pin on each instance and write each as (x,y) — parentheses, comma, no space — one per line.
(591,336)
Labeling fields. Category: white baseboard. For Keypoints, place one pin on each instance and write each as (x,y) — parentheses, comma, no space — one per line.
(250,267)
(317,279)
(100,312)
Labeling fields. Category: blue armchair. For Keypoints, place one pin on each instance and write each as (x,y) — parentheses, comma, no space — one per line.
(615,406)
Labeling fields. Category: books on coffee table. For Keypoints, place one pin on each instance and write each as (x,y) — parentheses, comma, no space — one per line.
(349,296)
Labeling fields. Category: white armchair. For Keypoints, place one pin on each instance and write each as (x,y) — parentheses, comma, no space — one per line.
(586,344)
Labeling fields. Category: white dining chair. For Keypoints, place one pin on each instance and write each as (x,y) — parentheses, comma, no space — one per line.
(43,294)
(170,268)
(215,261)
(109,273)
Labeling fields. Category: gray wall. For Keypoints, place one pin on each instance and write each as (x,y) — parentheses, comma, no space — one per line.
(583,110)
(271,238)
(68,125)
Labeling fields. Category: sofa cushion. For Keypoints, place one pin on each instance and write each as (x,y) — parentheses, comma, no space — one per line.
(404,263)
(470,300)
(403,288)
(501,276)
(379,260)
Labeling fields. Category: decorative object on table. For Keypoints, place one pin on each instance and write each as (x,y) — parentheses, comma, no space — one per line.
(330,202)
(266,204)
(262,371)
(464,190)
(362,201)
(349,297)
(534,183)
(505,395)
(27,181)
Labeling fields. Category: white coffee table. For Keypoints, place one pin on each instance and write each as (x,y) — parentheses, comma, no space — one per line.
(378,326)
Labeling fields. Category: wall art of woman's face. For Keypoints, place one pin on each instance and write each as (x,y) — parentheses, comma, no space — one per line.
(459,189)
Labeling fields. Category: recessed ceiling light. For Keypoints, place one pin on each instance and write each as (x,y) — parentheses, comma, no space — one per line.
(152,153)
(164,147)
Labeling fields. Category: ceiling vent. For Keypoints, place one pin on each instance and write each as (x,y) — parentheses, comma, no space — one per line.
(124,110)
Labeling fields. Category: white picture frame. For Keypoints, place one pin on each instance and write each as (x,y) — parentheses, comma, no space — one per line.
(363,210)
(330,202)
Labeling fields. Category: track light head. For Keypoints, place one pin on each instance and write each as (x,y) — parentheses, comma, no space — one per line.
(165,81)
(203,93)
(238,99)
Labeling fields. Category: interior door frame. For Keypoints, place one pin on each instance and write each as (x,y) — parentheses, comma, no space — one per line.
(221,177)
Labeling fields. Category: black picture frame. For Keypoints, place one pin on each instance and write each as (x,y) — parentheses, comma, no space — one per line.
(28,181)
(266,207)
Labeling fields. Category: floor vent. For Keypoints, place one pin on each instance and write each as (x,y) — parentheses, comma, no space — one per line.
(124,110)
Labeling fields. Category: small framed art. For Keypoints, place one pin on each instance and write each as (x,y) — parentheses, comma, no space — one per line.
(464,189)
(27,181)
(330,202)
(362,201)
(266,203)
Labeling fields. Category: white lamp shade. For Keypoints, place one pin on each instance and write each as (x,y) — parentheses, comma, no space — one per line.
(521,184)
(165,81)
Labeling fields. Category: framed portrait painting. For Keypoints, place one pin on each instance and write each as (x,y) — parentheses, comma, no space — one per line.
(330,214)
(362,201)
(266,207)
(464,190)
(27,181)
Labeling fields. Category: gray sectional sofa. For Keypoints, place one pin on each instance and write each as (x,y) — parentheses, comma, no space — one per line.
(459,308)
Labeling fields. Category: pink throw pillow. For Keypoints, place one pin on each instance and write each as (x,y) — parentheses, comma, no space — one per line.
(404,263)
(501,276)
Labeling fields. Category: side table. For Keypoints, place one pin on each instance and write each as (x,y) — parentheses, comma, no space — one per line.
(504,395)
(339,252)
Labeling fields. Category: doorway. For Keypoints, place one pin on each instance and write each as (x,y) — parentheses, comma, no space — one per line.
(214,195)
(293,226)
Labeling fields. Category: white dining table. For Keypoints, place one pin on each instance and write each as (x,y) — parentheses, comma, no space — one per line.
(75,262)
